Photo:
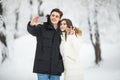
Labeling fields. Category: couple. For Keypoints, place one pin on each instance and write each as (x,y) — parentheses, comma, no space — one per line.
(57,48)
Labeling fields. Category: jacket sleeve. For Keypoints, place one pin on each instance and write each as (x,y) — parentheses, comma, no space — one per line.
(34,30)
(73,43)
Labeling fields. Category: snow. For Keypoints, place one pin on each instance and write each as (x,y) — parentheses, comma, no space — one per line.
(21,65)
(108,69)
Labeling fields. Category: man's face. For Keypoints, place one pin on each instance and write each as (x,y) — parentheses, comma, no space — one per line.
(54,18)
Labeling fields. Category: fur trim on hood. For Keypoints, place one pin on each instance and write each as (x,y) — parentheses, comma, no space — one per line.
(78,31)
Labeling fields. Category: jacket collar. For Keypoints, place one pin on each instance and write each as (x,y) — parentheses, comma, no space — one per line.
(48,25)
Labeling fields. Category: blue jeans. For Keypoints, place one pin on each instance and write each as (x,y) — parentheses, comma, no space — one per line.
(47,77)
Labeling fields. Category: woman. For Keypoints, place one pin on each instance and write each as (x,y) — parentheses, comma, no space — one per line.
(69,48)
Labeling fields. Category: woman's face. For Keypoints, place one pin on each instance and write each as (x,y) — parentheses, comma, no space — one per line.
(63,25)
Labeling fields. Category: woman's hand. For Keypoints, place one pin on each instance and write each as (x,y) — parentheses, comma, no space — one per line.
(72,30)
(34,21)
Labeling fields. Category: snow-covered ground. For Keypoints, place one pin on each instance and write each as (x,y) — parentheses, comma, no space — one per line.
(19,67)
(19,64)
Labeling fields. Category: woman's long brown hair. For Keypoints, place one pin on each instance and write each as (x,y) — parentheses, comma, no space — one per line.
(70,25)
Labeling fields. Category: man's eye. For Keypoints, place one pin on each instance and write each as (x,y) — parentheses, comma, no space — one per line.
(53,15)
(57,16)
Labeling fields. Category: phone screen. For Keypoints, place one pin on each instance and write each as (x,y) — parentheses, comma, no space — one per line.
(42,19)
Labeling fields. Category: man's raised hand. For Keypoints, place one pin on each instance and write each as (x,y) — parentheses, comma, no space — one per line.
(34,21)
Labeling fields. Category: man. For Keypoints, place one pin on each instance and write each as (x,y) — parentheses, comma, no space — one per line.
(48,62)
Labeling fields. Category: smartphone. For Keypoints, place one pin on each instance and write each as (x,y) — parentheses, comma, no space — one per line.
(42,19)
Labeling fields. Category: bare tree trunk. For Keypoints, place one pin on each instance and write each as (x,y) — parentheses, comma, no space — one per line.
(1,10)
(3,46)
(40,13)
(16,23)
(31,3)
(94,36)
(97,40)
(118,7)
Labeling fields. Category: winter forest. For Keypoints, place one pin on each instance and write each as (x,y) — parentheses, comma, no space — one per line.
(99,21)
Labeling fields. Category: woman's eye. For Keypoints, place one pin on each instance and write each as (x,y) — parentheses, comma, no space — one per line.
(64,24)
